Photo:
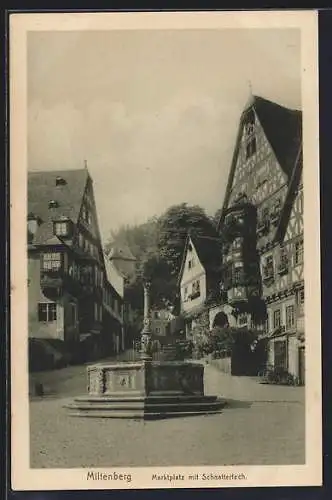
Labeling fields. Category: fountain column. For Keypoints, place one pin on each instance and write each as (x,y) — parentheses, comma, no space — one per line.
(146,332)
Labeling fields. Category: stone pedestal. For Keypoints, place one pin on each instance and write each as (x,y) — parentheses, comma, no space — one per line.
(145,389)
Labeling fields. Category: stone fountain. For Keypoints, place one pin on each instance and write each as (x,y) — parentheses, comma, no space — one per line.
(145,389)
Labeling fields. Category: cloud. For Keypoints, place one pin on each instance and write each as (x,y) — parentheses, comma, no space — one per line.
(154,114)
(140,163)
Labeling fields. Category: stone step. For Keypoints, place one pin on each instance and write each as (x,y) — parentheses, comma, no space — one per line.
(141,415)
(132,404)
(154,399)
(142,408)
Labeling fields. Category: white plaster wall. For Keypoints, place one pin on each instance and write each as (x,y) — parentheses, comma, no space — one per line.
(293,356)
(270,354)
(197,272)
(227,309)
(114,277)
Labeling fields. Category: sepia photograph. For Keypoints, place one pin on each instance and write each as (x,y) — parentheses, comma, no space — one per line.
(165,250)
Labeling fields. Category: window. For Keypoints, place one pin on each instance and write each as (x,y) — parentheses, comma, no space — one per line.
(32,225)
(61,228)
(238,275)
(157,331)
(269,261)
(237,243)
(268,268)
(51,261)
(87,275)
(250,136)
(81,240)
(276,318)
(98,312)
(191,263)
(47,311)
(290,318)
(265,214)
(242,319)
(53,204)
(196,291)
(185,293)
(98,278)
(263,219)
(283,254)
(251,147)
(250,126)
(277,204)
(300,297)
(73,313)
(280,355)
(298,255)
(86,215)
(283,260)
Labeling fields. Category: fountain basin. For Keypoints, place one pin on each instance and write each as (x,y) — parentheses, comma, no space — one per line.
(145,389)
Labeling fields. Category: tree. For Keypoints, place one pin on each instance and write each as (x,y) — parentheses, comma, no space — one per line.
(216,217)
(174,226)
(158,246)
(140,239)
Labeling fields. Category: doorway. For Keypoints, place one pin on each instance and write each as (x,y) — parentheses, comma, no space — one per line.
(302,365)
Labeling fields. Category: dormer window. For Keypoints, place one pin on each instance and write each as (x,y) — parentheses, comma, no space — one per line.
(33,223)
(53,204)
(60,181)
(62,227)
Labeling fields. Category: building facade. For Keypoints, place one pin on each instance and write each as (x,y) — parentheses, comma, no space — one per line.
(161,322)
(199,279)
(68,288)
(261,227)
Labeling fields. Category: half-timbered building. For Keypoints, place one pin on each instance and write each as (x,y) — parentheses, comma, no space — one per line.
(262,231)
(67,279)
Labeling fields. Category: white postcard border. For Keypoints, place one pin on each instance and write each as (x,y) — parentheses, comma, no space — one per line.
(25,478)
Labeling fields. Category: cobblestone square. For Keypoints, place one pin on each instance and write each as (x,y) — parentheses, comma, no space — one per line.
(261,425)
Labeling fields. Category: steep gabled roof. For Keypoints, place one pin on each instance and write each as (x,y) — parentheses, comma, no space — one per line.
(110,269)
(283,129)
(290,197)
(68,195)
(208,250)
(121,252)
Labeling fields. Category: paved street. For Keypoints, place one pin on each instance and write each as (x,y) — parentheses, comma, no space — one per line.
(262,425)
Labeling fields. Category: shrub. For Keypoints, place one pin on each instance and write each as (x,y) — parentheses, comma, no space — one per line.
(278,376)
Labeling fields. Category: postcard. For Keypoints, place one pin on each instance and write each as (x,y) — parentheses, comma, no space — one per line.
(165,250)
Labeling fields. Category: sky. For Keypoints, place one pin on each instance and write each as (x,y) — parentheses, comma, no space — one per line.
(153,113)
